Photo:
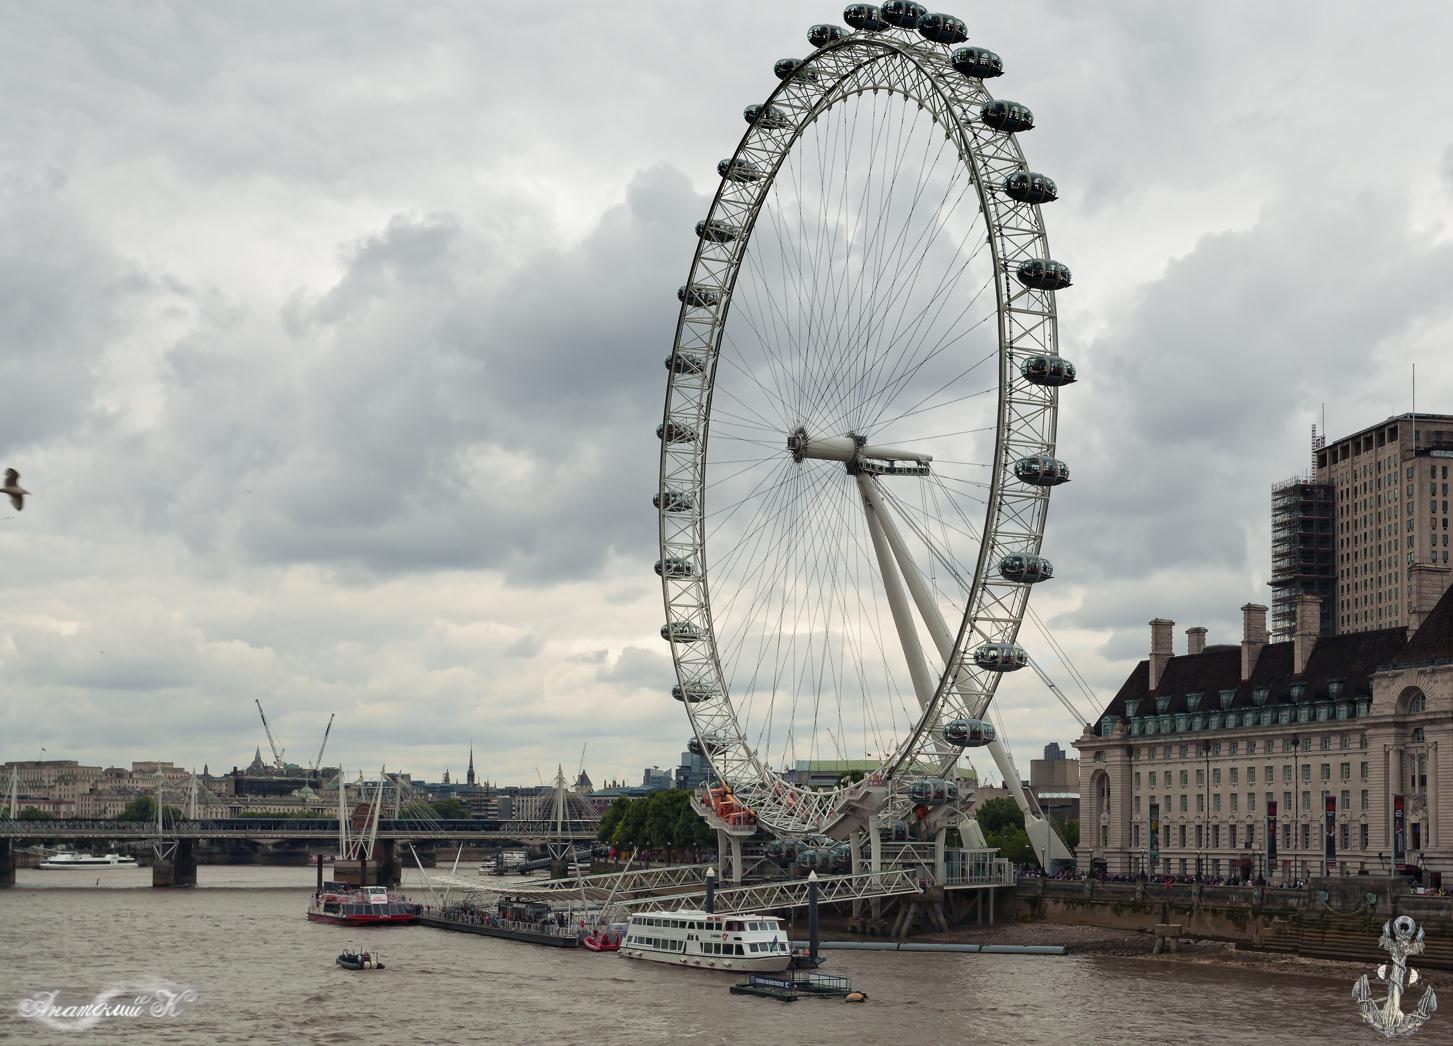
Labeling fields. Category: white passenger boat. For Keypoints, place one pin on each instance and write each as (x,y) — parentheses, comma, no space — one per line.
(67,859)
(738,942)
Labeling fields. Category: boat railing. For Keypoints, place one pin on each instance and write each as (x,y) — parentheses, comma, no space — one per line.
(468,917)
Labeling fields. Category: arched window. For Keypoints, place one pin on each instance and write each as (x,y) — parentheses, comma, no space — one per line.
(1417,703)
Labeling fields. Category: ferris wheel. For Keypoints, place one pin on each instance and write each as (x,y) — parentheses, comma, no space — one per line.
(858,441)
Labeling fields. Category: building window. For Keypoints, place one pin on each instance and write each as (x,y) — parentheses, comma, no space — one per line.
(1251,775)
(1216,802)
(1346,837)
(1362,835)
(1346,771)
(1216,836)
(1232,843)
(1183,834)
(1183,803)
(1362,771)
(1185,778)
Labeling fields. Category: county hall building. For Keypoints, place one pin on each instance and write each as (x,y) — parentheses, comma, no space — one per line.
(1201,755)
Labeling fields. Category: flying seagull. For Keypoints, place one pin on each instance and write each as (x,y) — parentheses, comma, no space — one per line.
(14,489)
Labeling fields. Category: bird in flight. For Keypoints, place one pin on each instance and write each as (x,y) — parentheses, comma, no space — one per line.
(14,489)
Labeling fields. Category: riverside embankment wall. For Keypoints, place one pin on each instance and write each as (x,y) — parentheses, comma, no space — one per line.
(1329,919)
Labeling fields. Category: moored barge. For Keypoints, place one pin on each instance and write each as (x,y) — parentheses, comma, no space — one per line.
(526,921)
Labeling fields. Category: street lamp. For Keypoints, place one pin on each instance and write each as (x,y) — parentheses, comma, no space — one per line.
(1296,791)
(1205,752)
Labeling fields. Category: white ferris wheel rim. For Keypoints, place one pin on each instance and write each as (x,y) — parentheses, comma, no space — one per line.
(898,61)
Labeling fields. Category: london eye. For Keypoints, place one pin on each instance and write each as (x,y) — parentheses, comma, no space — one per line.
(858,444)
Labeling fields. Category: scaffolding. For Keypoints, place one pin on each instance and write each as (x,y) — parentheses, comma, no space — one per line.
(1303,552)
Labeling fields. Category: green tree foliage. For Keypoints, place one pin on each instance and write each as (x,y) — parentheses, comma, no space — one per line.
(1003,825)
(450,809)
(660,821)
(995,815)
(1069,831)
(30,813)
(143,808)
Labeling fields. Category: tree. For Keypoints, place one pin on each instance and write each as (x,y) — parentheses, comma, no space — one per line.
(1069,831)
(31,813)
(995,815)
(611,820)
(143,808)
(450,809)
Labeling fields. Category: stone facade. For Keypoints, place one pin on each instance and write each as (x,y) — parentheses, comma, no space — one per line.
(1359,719)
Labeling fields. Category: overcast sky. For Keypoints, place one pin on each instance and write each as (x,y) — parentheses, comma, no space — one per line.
(330,342)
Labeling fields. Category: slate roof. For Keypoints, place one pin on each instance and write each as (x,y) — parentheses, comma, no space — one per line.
(1434,640)
(1351,658)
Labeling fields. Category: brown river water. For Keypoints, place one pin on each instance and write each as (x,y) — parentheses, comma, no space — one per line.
(262,973)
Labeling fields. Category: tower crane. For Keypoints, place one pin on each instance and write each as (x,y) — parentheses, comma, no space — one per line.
(317,762)
(277,753)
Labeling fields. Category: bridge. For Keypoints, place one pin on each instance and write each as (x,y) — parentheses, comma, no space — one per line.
(300,829)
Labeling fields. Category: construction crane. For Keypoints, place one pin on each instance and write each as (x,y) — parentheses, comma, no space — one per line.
(319,760)
(277,753)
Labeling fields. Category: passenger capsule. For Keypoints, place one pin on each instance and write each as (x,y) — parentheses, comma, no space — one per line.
(1007,116)
(705,746)
(693,693)
(676,432)
(1041,470)
(717,232)
(1025,569)
(698,295)
(787,68)
(775,849)
(896,831)
(680,632)
(685,363)
(1043,274)
(943,29)
(842,857)
(1053,371)
(674,501)
(677,568)
(740,171)
(968,733)
(810,857)
(903,13)
(1030,187)
(977,62)
(1001,657)
(864,17)
(933,791)
(822,35)
(759,115)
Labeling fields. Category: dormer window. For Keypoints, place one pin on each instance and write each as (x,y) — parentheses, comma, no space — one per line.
(1131,705)
(1299,691)
(1259,694)
(1162,704)
(1334,688)
(1193,702)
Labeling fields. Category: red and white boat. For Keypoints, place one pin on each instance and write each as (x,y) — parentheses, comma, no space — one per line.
(346,905)
(605,938)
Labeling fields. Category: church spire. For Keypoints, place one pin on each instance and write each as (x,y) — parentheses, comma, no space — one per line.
(469,777)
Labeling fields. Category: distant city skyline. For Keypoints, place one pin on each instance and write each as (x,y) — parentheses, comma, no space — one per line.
(336,357)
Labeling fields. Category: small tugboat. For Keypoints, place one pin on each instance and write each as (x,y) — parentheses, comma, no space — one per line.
(605,939)
(357,960)
(345,905)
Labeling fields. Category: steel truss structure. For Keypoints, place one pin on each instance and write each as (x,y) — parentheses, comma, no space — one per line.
(828,337)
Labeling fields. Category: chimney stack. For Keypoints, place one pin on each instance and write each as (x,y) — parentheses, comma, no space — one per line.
(1161,648)
(1309,627)
(1253,637)
(1426,585)
(1196,640)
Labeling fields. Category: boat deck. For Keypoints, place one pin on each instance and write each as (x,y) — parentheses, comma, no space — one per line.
(531,933)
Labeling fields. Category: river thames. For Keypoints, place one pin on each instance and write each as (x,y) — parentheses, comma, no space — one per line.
(263,974)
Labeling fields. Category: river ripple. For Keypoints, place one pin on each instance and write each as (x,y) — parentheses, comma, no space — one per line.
(264,974)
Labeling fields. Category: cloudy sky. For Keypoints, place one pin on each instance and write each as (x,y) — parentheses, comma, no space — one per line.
(330,341)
